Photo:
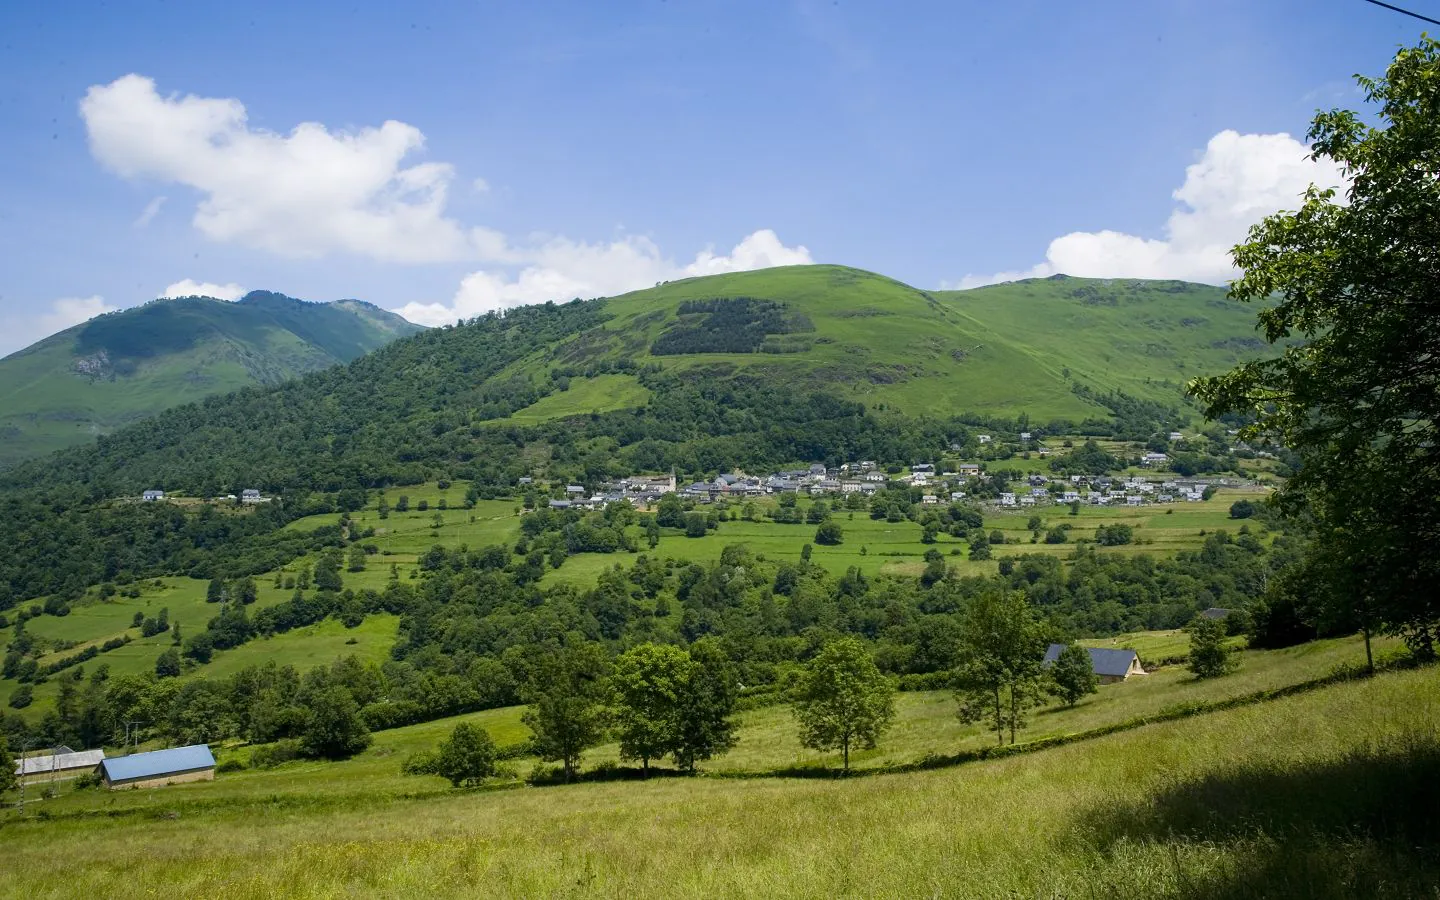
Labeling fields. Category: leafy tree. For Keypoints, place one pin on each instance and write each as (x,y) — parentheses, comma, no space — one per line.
(1208,656)
(467,757)
(695,525)
(247,591)
(8,780)
(1114,535)
(830,534)
(1002,651)
(1072,676)
(1056,535)
(22,696)
(402,503)
(357,558)
(647,681)
(704,727)
(1242,509)
(215,591)
(843,700)
(138,621)
(334,728)
(167,665)
(567,695)
(1356,390)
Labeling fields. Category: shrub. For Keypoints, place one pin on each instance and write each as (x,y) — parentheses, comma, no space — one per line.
(230,765)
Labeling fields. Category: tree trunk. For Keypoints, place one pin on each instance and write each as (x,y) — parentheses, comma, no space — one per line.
(1369,657)
(845,752)
(999,718)
(1013,704)
(645,765)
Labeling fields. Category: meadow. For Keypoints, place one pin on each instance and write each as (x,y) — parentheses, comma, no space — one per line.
(874,547)
(1208,806)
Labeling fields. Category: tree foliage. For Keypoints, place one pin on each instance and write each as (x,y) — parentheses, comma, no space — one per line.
(1209,658)
(567,696)
(1356,389)
(467,757)
(1072,676)
(1001,654)
(843,701)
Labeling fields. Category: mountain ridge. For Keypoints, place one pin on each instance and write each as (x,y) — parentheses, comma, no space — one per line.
(121,367)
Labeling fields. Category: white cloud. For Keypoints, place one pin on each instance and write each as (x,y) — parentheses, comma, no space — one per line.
(481,186)
(69,311)
(191,288)
(302,194)
(149,212)
(1237,181)
(561,269)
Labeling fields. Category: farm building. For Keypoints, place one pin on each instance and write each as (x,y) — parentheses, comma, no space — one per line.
(152,496)
(159,768)
(59,764)
(1215,612)
(1110,665)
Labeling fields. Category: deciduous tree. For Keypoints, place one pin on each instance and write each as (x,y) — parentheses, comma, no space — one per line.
(843,700)
(1072,676)
(567,695)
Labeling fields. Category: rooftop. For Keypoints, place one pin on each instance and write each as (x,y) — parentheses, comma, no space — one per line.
(157,763)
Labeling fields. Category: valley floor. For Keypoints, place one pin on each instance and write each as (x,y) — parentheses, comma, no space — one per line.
(1328,793)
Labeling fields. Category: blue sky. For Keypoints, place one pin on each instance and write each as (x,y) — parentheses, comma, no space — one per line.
(562,149)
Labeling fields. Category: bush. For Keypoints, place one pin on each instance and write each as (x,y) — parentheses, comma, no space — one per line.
(1242,509)
(22,697)
(829,534)
(230,765)
(270,755)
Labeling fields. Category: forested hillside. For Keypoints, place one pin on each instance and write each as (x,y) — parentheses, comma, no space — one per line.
(122,367)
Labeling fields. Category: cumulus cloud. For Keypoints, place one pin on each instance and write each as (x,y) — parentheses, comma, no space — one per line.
(69,311)
(191,288)
(561,269)
(149,212)
(1238,180)
(302,194)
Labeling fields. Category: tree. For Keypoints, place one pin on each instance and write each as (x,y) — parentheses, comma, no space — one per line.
(695,525)
(247,591)
(1208,656)
(1356,391)
(843,700)
(1002,651)
(704,727)
(215,591)
(829,534)
(167,665)
(8,780)
(567,693)
(357,558)
(647,681)
(1072,676)
(467,757)
(1242,509)
(22,696)
(334,728)
(402,504)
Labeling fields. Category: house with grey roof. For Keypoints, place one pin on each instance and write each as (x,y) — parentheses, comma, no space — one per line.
(59,764)
(159,768)
(1109,665)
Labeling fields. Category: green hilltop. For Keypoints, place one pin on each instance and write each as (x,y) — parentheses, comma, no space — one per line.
(1000,350)
(118,368)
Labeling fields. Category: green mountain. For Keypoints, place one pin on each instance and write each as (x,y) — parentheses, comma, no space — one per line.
(116,369)
(747,369)
(1002,350)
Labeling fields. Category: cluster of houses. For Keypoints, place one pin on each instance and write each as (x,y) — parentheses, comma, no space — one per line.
(1107,491)
(866,478)
(249,495)
(155,768)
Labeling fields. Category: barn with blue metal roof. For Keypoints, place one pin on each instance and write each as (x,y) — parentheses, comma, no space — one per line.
(159,767)
(1109,665)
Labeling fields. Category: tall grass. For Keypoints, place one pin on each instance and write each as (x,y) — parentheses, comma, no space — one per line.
(1325,794)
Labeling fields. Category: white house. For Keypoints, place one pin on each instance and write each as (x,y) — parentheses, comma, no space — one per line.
(152,496)
(251,495)
(984,438)
(1024,435)
(929,499)
(1176,436)
(1007,499)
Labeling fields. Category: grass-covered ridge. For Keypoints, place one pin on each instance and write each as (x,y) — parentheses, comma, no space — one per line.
(1208,806)
(118,368)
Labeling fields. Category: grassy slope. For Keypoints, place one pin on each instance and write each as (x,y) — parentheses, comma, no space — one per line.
(996,350)
(207,347)
(1204,807)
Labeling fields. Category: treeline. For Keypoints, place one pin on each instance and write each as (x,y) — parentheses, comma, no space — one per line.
(727,325)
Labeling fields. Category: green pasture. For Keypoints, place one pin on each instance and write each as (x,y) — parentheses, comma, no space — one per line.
(1287,797)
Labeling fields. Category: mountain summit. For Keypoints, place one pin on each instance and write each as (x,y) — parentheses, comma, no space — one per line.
(125,366)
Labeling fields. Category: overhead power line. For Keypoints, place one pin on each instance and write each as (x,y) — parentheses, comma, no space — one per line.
(1405,12)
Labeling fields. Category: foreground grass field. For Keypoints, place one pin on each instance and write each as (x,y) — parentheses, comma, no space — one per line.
(1329,793)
